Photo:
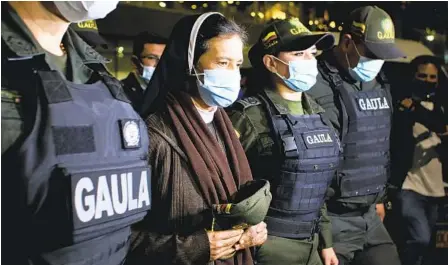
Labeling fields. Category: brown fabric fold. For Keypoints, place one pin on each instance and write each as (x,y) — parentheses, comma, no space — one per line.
(218,175)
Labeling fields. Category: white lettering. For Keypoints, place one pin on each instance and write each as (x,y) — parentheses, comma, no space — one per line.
(319,138)
(143,192)
(362,104)
(132,201)
(115,199)
(385,105)
(103,199)
(309,139)
(119,207)
(373,103)
(89,200)
(368,104)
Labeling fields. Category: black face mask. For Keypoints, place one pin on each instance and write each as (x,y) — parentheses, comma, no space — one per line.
(424,90)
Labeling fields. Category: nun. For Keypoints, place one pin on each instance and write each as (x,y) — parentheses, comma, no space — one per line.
(196,158)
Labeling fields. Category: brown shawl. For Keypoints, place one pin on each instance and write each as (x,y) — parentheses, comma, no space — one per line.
(218,175)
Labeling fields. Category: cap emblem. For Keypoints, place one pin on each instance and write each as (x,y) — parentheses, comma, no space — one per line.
(270,39)
(298,27)
(89,24)
(387,31)
(359,27)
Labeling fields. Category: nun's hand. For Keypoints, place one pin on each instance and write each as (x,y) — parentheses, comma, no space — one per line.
(253,236)
(222,242)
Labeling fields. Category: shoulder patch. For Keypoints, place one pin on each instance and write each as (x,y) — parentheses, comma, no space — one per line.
(248,102)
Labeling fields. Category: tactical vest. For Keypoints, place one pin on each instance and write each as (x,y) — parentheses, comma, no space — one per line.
(84,169)
(307,158)
(366,127)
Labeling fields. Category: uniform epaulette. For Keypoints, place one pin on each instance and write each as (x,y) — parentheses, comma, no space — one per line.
(247,102)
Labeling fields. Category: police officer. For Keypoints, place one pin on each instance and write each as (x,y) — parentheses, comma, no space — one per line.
(288,142)
(146,52)
(358,103)
(73,149)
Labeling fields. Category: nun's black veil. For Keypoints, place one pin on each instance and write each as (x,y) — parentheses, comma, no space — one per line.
(172,71)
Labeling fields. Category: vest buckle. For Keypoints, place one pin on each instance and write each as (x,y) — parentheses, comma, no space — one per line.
(289,143)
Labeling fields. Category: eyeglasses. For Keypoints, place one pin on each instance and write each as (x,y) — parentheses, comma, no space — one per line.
(150,57)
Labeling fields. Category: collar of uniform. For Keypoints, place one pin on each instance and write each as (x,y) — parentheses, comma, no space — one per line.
(332,64)
(86,53)
(21,42)
(278,101)
(328,58)
(16,35)
(309,105)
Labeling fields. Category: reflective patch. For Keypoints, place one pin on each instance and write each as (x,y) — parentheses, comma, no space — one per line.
(130,134)
(316,139)
(248,102)
(104,196)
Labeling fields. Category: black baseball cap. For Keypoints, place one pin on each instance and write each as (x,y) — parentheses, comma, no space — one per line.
(374,27)
(88,31)
(287,35)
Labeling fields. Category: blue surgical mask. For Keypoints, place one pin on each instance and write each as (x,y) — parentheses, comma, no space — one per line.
(220,87)
(148,71)
(302,74)
(366,70)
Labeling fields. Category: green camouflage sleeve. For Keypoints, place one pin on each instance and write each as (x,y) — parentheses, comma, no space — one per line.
(325,236)
(244,128)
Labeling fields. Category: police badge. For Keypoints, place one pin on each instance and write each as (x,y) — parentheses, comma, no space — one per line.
(130,134)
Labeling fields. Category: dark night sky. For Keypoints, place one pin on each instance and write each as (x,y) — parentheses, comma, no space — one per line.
(416,14)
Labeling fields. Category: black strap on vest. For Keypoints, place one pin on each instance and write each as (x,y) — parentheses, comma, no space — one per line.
(115,86)
(288,141)
(337,84)
(384,82)
(55,87)
(56,90)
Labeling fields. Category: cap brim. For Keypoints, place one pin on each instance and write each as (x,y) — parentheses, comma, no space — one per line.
(323,41)
(93,39)
(385,50)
